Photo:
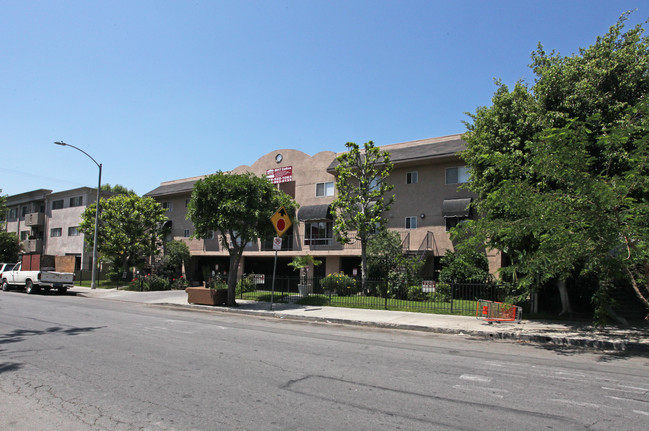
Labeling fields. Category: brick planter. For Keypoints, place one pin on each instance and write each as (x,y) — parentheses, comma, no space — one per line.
(203,296)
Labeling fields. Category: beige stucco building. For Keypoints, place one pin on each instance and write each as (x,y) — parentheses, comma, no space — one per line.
(47,222)
(429,199)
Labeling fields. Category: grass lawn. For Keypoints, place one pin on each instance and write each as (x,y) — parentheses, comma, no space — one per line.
(460,306)
(101,284)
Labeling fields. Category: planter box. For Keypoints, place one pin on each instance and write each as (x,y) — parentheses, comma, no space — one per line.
(203,296)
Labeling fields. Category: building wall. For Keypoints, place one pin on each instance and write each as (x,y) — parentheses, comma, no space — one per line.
(423,200)
(41,202)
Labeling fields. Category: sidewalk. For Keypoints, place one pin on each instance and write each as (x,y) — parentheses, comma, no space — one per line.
(634,339)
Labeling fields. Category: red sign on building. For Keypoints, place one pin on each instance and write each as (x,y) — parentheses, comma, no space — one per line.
(280,175)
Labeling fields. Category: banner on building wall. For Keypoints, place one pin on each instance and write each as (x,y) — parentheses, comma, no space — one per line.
(280,175)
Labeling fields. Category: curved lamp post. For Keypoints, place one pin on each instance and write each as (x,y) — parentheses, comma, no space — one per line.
(93,285)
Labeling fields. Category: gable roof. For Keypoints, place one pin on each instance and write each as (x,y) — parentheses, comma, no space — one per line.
(423,149)
(175,187)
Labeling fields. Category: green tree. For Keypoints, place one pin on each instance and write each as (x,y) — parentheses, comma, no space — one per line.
(117,188)
(361,182)
(130,229)
(239,207)
(3,208)
(465,266)
(176,253)
(9,247)
(384,253)
(560,167)
(302,263)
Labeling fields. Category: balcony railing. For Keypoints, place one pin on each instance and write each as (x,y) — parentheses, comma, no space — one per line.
(32,245)
(35,219)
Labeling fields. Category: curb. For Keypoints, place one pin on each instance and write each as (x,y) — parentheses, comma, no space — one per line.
(538,338)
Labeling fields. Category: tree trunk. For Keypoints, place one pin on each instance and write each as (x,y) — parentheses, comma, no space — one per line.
(565,299)
(636,289)
(364,266)
(235,258)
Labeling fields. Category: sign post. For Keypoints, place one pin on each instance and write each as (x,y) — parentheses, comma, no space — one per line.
(281,222)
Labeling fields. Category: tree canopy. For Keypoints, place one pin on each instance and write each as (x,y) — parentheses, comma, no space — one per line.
(560,167)
(118,189)
(3,208)
(361,183)
(239,208)
(9,247)
(130,229)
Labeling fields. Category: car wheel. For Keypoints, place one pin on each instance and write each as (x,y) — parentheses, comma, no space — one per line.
(29,287)
(62,290)
(5,285)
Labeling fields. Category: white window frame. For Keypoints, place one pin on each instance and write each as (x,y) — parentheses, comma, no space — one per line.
(73,231)
(56,232)
(324,189)
(461,174)
(168,206)
(186,233)
(412,177)
(410,222)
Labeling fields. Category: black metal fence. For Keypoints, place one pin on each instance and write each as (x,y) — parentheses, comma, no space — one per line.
(427,296)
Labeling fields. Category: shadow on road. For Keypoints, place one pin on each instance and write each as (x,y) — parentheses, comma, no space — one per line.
(604,355)
(10,366)
(18,335)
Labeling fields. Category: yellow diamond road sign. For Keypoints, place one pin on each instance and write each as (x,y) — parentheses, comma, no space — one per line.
(281,221)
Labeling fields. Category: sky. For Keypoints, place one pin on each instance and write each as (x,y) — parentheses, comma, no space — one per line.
(162,90)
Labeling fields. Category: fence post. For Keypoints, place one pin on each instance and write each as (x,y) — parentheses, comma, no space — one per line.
(452,294)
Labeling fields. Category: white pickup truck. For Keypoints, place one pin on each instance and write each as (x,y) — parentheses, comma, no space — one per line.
(33,281)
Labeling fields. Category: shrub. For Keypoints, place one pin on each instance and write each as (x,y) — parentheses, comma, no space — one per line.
(342,284)
(416,293)
(442,293)
(135,284)
(155,282)
(179,283)
(246,284)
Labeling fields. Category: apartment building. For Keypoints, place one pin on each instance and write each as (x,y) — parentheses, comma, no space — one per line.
(429,200)
(48,222)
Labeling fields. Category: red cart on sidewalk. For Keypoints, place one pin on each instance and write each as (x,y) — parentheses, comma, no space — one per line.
(491,311)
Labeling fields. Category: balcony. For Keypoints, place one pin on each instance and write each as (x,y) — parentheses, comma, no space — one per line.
(32,245)
(35,219)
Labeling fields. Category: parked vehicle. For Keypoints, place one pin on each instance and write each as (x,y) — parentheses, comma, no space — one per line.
(6,267)
(35,280)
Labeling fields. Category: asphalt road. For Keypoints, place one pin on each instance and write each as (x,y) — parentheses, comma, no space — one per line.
(75,363)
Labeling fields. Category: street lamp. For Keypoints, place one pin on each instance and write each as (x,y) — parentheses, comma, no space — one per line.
(93,285)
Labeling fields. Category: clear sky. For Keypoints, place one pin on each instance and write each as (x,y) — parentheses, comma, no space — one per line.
(161,90)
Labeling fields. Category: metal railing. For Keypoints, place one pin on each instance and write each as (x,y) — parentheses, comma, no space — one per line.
(458,298)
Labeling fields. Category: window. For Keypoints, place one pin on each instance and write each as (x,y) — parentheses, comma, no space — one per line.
(411,177)
(56,232)
(23,211)
(457,175)
(24,235)
(324,189)
(210,235)
(76,201)
(13,214)
(452,222)
(186,203)
(57,205)
(318,233)
(186,233)
(73,231)
(168,206)
(411,222)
